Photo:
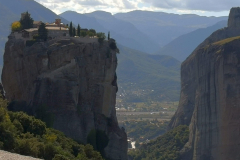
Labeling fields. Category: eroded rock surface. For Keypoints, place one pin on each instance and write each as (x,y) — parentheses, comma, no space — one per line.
(70,84)
(210,96)
(234,18)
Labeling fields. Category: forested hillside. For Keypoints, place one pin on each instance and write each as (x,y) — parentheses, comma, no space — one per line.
(26,135)
(143,77)
(165,147)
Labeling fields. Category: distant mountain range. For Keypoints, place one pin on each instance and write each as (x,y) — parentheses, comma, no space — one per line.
(165,27)
(124,32)
(181,47)
(142,30)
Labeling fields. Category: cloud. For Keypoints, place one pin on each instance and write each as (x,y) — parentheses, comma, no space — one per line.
(202,5)
(83,6)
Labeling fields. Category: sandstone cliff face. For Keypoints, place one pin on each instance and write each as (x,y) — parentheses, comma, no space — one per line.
(69,83)
(210,96)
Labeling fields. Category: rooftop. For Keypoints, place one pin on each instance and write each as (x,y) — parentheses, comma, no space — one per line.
(48,28)
(57,28)
(37,22)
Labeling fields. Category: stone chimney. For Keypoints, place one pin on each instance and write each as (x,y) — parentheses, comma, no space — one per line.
(234,18)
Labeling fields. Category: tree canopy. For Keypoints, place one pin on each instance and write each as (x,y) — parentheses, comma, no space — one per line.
(43,32)
(83,33)
(108,35)
(16,26)
(26,135)
(165,147)
(101,36)
(26,21)
(78,30)
(73,32)
(70,30)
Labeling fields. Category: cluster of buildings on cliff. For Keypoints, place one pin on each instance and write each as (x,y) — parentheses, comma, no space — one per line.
(55,29)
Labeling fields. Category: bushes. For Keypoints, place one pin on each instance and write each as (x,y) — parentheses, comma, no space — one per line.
(16,26)
(29,136)
(165,147)
(83,33)
(28,123)
(60,157)
(101,36)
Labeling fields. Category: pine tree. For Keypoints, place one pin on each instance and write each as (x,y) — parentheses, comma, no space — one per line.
(73,32)
(42,32)
(78,30)
(26,21)
(108,35)
(70,30)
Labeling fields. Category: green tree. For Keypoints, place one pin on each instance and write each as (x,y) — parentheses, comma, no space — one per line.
(74,32)
(108,35)
(101,36)
(70,30)
(26,21)
(92,31)
(78,30)
(83,33)
(43,32)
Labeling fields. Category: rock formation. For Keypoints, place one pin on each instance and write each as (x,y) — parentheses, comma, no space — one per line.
(210,96)
(69,83)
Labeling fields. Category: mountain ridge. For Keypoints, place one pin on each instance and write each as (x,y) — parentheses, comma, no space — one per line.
(165,27)
(181,47)
(124,32)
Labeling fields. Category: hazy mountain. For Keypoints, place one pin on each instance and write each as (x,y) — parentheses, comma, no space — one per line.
(124,32)
(83,20)
(164,27)
(10,11)
(144,77)
(183,46)
(37,11)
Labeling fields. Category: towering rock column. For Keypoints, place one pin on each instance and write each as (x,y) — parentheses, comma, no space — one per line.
(234,18)
(71,84)
(210,96)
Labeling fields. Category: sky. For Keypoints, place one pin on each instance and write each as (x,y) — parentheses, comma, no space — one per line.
(200,7)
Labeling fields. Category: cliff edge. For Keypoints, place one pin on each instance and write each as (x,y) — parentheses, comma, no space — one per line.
(71,84)
(210,96)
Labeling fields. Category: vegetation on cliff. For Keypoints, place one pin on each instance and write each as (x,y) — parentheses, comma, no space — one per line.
(29,136)
(166,147)
(141,131)
(16,26)
(26,21)
(227,40)
(43,32)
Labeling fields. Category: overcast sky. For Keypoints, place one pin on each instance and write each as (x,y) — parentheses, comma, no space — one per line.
(200,7)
